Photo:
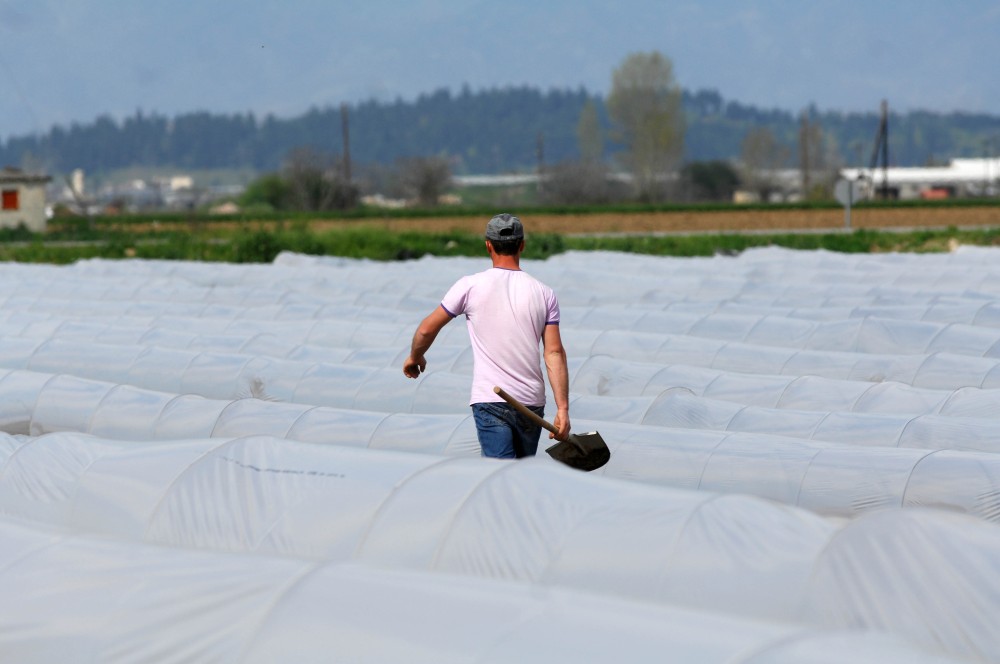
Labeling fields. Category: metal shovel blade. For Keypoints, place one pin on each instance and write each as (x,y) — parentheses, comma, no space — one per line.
(585,451)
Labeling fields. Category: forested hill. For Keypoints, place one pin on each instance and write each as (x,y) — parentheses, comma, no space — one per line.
(490,131)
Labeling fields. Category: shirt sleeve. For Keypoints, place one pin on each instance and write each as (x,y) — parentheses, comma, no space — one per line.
(552,313)
(455,299)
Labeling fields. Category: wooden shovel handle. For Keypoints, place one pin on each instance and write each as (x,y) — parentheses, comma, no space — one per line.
(524,410)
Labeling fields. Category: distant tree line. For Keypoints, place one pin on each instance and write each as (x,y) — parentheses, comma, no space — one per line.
(490,131)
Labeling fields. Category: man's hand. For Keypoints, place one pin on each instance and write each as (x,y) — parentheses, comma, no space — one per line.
(426,332)
(414,366)
(561,423)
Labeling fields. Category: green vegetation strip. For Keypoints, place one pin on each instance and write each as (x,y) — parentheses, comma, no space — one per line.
(261,246)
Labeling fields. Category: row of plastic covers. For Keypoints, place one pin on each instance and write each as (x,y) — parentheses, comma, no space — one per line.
(761,274)
(865,332)
(202,606)
(381,342)
(604,388)
(220,463)
(217,370)
(837,479)
(533,522)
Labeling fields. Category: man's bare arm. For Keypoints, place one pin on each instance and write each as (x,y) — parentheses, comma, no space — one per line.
(556,366)
(426,332)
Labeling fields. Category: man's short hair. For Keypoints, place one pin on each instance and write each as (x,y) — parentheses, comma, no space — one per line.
(507,247)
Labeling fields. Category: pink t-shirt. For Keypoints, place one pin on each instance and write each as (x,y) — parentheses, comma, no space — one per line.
(507,311)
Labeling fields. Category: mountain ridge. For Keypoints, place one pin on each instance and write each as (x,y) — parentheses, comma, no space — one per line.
(498,130)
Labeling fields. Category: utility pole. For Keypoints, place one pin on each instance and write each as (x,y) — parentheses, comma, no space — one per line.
(804,153)
(986,167)
(540,155)
(994,176)
(882,149)
(346,137)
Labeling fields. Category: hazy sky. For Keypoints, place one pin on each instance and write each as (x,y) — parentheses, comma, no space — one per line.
(64,61)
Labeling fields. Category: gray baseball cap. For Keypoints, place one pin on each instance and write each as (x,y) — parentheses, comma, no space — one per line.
(504,227)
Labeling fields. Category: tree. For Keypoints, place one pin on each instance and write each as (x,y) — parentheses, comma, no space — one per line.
(425,179)
(645,106)
(589,136)
(819,160)
(316,182)
(583,182)
(269,192)
(762,155)
(709,180)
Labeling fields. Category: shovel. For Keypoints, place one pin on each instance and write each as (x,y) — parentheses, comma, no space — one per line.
(585,451)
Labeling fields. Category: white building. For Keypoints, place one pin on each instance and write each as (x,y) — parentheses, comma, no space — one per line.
(961,178)
(22,199)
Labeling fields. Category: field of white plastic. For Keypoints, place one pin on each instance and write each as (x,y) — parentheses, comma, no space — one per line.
(224,463)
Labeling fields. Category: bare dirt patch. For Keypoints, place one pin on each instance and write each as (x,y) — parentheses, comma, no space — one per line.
(699,222)
(720,221)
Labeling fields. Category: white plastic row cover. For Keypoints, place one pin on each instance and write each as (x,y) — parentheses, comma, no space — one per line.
(71,598)
(528,521)
(252,368)
(830,478)
(227,376)
(309,323)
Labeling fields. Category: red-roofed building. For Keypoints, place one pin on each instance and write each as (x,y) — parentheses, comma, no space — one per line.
(22,199)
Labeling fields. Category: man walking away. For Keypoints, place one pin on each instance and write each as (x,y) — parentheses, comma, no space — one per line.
(508,314)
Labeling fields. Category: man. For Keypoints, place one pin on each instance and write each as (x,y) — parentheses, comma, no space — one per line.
(508,313)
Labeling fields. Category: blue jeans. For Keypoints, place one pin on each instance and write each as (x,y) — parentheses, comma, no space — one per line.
(504,433)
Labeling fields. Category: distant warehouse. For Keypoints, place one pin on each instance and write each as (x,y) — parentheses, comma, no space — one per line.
(22,199)
(960,178)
